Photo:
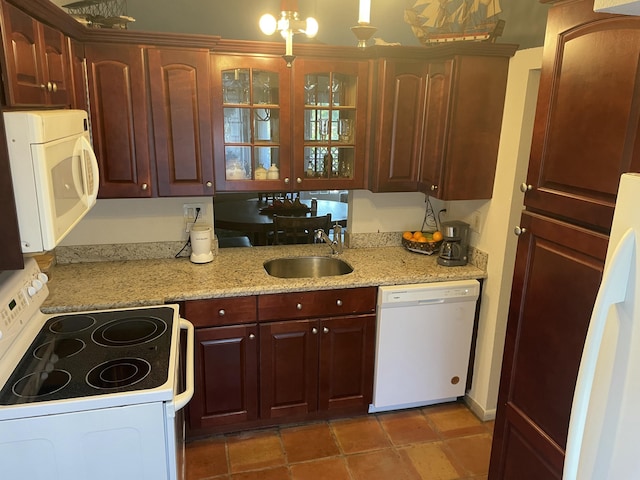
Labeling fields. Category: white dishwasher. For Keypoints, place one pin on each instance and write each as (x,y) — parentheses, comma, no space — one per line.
(423,343)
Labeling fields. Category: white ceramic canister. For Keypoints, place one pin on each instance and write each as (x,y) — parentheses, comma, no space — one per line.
(273,173)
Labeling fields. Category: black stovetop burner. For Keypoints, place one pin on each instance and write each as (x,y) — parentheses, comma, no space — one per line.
(93,354)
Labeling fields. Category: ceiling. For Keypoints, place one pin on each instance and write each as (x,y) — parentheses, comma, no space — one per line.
(238,19)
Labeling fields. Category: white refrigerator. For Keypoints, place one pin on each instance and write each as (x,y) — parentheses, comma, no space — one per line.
(605,417)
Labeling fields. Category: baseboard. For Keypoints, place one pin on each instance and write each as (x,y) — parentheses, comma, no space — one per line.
(478,410)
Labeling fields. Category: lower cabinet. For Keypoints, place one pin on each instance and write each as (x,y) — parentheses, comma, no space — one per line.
(262,360)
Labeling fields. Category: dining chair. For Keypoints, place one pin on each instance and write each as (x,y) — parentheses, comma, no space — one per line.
(291,230)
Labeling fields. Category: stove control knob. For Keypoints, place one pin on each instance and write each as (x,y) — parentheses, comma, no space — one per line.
(31,290)
(43,277)
(37,284)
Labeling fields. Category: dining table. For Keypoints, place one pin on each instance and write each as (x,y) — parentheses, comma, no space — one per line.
(252,218)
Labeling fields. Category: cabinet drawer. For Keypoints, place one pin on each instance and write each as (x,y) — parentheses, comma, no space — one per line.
(220,311)
(323,303)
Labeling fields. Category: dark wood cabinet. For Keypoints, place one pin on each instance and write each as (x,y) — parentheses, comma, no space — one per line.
(317,364)
(119,119)
(557,274)
(400,124)
(281,357)
(437,119)
(37,66)
(181,113)
(586,132)
(585,136)
(463,118)
(226,370)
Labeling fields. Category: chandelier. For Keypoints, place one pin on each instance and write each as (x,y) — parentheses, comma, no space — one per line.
(288,25)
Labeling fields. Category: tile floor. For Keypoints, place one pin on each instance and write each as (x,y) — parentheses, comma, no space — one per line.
(441,442)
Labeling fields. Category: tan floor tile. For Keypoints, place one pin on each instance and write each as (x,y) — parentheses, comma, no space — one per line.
(254,451)
(279,473)
(431,462)
(381,465)
(454,420)
(472,453)
(407,427)
(360,434)
(324,469)
(206,458)
(308,442)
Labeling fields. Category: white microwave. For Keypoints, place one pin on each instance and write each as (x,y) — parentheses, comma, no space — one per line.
(54,172)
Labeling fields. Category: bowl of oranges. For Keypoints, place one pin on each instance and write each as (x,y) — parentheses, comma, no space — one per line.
(426,243)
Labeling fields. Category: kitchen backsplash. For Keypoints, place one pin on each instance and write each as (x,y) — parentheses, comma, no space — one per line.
(152,250)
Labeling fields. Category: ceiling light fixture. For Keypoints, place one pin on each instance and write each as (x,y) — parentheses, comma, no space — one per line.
(288,25)
(363,31)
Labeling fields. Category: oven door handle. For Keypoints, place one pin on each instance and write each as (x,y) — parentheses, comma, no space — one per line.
(183,398)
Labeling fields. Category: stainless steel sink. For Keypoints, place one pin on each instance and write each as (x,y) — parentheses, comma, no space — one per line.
(307,267)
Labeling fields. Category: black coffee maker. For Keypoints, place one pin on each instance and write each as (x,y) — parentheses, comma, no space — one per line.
(454,250)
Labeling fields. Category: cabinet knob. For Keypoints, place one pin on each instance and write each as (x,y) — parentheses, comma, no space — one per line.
(55,87)
(209,184)
(298,180)
(519,230)
(49,86)
(434,188)
(524,187)
(314,330)
(325,330)
(299,306)
(144,186)
(221,312)
(339,302)
(286,180)
(251,336)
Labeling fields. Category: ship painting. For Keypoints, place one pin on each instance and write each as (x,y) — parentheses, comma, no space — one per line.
(437,21)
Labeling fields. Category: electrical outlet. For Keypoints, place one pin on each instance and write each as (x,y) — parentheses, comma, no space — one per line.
(190,210)
(475,221)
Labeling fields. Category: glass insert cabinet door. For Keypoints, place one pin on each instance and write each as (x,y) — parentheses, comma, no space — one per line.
(329,128)
(251,123)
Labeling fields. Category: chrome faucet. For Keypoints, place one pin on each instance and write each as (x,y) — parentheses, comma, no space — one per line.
(336,243)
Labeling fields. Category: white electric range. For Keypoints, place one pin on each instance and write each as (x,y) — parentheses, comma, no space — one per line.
(91,394)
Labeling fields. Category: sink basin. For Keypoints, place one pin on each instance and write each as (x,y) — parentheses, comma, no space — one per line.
(305,267)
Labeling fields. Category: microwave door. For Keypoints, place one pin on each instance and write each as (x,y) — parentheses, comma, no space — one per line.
(62,197)
(90,173)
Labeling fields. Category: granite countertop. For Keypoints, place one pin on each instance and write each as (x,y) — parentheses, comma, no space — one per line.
(233,272)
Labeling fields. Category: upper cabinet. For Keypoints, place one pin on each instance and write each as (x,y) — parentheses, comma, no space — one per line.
(37,67)
(251,122)
(330,123)
(586,130)
(119,119)
(437,119)
(287,129)
(180,110)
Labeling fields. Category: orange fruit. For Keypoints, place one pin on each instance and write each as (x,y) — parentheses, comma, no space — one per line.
(437,236)
(407,235)
(417,235)
(422,240)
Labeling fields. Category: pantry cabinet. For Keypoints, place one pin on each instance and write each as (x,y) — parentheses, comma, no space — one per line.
(37,67)
(585,136)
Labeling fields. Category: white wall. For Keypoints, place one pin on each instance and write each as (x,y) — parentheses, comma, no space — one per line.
(498,218)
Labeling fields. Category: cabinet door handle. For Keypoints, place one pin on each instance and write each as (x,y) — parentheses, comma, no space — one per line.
(221,312)
(298,180)
(55,87)
(314,330)
(251,336)
(286,180)
(208,184)
(325,330)
(144,186)
(339,302)
(434,188)
(299,306)
(519,230)
(49,86)
(524,187)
